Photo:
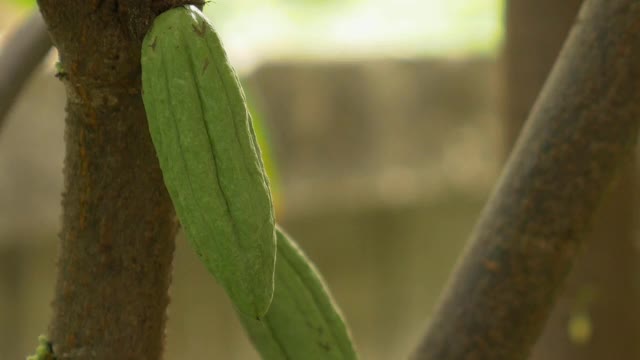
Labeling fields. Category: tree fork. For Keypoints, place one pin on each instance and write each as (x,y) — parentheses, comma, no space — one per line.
(582,129)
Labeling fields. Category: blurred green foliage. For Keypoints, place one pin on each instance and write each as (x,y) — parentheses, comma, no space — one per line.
(320,28)
(23,3)
(359,28)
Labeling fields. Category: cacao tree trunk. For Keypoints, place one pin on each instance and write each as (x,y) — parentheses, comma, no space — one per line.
(118,226)
(596,316)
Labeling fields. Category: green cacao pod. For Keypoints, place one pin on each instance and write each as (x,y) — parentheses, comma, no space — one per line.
(303,322)
(210,159)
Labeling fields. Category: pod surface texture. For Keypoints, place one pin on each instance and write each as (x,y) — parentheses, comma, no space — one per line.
(211,163)
(303,321)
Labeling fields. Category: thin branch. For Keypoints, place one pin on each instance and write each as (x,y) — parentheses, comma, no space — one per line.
(21,55)
(581,131)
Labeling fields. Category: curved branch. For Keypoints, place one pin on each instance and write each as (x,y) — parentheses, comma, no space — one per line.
(582,129)
(20,56)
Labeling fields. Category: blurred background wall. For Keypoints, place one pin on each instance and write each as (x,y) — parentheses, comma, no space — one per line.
(383,125)
(381,176)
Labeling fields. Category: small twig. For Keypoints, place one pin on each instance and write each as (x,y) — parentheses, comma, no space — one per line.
(20,56)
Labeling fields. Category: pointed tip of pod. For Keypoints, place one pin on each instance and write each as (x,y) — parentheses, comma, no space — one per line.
(253,299)
(258,312)
(252,315)
(262,309)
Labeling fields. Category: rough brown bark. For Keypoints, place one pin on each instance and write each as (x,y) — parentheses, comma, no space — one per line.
(600,287)
(579,134)
(118,222)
